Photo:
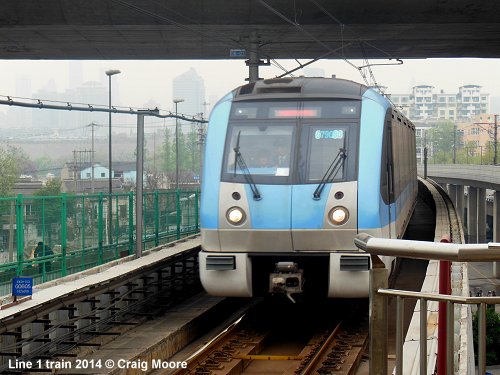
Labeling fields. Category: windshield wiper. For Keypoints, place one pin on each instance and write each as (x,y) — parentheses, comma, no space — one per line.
(238,160)
(331,172)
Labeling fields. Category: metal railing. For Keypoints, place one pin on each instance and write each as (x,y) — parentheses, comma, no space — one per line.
(379,293)
(79,233)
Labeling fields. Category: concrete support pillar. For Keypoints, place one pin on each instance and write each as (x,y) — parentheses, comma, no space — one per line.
(460,202)
(472,215)
(452,193)
(496,229)
(481,215)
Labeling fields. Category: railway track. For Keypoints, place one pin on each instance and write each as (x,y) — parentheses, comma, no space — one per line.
(254,345)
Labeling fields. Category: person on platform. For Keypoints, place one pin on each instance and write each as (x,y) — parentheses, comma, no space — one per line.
(40,251)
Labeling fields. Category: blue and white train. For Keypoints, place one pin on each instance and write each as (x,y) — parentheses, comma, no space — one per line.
(295,168)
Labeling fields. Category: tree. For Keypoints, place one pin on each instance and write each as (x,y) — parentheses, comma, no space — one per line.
(193,151)
(51,188)
(11,164)
(492,335)
(443,140)
(168,152)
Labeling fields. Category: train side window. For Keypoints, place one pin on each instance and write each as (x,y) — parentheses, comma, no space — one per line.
(387,167)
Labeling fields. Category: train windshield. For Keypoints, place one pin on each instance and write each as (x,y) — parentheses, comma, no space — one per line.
(290,142)
(325,143)
(265,150)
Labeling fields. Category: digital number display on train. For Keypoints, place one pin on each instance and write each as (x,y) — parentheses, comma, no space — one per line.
(329,134)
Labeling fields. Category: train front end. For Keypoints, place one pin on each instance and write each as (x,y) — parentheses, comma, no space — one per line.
(279,206)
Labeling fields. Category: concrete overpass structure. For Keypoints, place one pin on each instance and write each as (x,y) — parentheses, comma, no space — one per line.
(477,179)
(209,29)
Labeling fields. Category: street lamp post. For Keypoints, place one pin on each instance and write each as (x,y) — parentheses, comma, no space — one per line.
(177,101)
(110,73)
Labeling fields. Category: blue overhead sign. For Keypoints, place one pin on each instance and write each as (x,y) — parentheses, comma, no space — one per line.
(22,286)
(237,53)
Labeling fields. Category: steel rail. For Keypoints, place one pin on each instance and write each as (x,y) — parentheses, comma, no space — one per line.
(314,360)
(203,353)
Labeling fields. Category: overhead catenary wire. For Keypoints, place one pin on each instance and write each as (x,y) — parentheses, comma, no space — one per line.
(218,36)
(303,30)
(367,65)
(221,37)
(215,36)
(334,51)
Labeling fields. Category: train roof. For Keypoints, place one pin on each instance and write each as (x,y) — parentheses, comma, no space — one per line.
(300,87)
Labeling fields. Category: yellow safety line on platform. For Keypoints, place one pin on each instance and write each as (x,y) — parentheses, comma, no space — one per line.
(264,357)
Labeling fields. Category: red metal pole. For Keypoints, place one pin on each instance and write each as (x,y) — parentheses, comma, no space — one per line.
(444,288)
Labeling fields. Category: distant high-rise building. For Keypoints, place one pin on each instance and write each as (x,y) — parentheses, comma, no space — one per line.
(45,118)
(90,93)
(21,117)
(190,87)
(471,102)
(95,94)
(423,104)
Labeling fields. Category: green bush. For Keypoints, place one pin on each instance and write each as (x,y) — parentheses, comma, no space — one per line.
(492,336)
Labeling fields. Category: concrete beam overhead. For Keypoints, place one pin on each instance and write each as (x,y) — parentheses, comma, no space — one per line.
(208,29)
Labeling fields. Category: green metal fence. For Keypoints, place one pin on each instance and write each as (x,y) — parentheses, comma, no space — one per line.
(81,232)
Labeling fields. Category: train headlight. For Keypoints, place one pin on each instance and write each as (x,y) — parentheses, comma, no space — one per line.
(338,215)
(235,215)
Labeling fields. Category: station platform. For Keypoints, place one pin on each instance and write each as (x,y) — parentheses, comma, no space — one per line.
(51,291)
(149,346)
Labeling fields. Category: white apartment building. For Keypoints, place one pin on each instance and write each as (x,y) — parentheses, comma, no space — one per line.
(424,104)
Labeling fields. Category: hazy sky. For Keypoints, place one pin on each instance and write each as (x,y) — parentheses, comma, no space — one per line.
(141,81)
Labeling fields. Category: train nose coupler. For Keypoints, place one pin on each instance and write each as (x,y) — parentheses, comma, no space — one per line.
(287,279)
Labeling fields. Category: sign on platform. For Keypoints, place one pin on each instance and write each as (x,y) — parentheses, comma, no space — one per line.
(22,286)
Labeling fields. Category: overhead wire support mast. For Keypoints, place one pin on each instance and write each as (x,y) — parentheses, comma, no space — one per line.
(90,108)
(254,61)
